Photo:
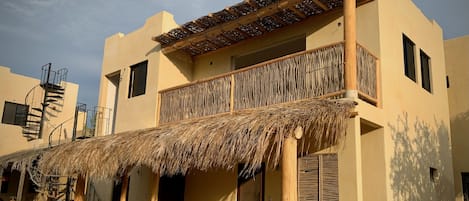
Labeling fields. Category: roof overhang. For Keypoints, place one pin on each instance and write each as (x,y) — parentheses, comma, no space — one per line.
(245,20)
(250,136)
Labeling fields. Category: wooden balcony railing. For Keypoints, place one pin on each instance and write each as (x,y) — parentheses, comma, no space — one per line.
(307,74)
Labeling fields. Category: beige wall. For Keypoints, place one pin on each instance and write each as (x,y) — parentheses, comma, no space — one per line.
(122,51)
(14,88)
(416,129)
(457,65)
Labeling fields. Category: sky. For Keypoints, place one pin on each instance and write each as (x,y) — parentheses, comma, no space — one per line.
(70,34)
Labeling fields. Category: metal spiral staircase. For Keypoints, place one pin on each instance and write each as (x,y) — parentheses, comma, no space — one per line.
(48,94)
(43,101)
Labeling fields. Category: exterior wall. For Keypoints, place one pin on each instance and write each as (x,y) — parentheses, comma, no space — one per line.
(416,122)
(14,88)
(163,71)
(215,185)
(122,51)
(140,184)
(457,65)
(411,139)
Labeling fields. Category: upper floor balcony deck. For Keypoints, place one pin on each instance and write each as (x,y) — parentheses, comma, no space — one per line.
(316,73)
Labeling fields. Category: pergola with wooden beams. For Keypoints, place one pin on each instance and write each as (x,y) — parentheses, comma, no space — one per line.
(245,20)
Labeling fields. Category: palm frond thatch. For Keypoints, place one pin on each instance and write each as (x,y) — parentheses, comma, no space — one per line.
(221,141)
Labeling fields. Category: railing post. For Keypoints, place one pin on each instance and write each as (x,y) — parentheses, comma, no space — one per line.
(350,35)
(158,110)
(232,93)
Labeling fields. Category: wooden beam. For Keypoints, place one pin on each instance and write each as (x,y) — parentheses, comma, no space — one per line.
(321,5)
(290,166)
(350,35)
(80,188)
(231,25)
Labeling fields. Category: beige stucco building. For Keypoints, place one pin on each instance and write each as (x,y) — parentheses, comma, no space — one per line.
(192,103)
(457,63)
(19,125)
(397,146)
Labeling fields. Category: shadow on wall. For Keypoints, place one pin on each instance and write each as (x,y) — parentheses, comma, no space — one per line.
(460,141)
(417,149)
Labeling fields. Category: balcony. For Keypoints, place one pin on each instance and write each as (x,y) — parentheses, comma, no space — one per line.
(317,73)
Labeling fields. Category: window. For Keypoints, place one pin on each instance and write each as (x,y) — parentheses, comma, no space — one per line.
(15,114)
(425,69)
(251,187)
(409,60)
(138,79)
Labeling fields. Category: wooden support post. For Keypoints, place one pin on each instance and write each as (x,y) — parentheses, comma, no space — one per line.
(290,166)
(19,193)
(1,176)
(350,35)
(125,185)
(80,188)
(155,187)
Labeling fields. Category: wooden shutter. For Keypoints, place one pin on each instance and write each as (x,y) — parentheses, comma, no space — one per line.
(308,178)
(318,178)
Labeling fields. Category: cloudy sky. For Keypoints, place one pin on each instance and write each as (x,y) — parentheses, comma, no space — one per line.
(71,33)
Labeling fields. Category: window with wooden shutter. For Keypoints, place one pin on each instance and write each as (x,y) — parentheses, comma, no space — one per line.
(318,178)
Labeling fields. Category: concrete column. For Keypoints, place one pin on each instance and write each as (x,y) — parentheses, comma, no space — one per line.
(350,163)
(290,166)
(350,36)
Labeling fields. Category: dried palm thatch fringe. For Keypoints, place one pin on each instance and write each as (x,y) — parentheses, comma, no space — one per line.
(220,141)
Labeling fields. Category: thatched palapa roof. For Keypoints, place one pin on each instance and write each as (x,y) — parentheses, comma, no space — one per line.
(220,141)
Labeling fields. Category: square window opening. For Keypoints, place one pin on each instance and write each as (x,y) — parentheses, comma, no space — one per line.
(15,114)
(425,69)
(138,79)
(409,58)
